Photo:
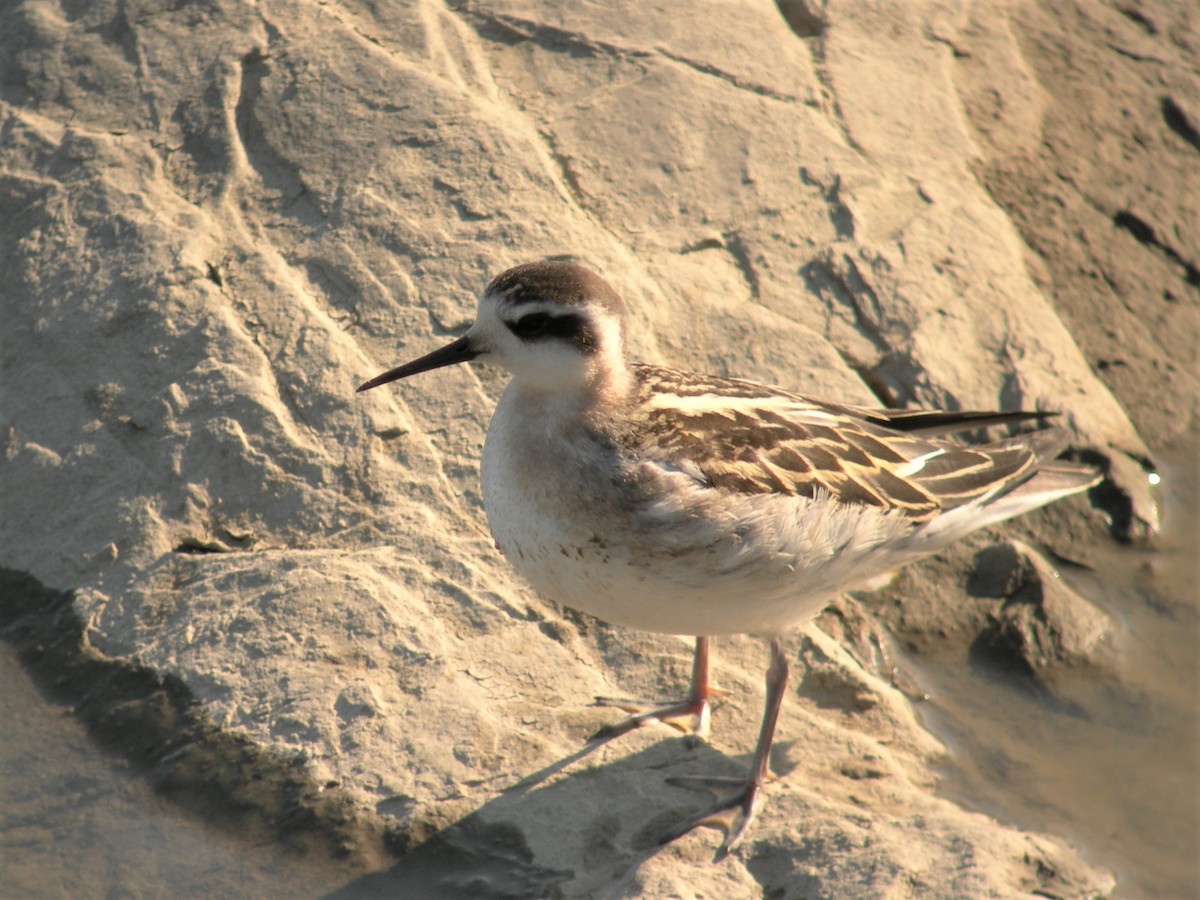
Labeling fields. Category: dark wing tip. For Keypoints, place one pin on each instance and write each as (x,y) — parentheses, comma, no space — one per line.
(930,423)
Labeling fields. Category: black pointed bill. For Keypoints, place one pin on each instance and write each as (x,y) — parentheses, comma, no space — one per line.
(458,352)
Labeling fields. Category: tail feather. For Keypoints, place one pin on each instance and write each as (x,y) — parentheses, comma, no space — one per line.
(1045,444)
(1055,479)
(1048,480)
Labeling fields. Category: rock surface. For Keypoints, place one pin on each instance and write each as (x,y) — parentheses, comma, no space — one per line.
(1041,624)
(220,217)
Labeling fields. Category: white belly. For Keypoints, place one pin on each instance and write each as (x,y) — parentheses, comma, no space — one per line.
(648,548)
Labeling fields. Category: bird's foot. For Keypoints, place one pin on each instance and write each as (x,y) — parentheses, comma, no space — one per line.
(732,814)
(689,716)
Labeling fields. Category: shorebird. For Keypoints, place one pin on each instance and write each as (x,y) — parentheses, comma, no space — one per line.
(681,503)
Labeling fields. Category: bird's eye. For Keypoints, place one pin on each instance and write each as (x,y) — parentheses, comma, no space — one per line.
(530,325)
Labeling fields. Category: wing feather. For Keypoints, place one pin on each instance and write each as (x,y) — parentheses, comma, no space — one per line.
(751,439)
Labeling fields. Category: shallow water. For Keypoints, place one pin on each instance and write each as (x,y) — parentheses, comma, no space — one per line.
(1112,762)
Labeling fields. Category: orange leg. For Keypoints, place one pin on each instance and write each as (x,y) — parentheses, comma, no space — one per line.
(694,710)
(737,810)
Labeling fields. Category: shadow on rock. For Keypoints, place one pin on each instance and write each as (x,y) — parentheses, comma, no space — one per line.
(153,721)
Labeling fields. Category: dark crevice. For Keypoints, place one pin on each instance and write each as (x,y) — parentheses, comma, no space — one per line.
(840,215)
(1109,498)
(1136,226)
(512,30)
(702,244)
(1179,122)
(1145,234)
(736,247)
(848,290)
(705,68)
(1135,15)
(875,384)
(196,545)
(800,18)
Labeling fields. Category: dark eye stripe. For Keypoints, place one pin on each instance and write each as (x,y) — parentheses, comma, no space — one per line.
(530,325)
(569,327)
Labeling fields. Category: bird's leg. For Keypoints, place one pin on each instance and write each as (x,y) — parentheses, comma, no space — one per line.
(734,813)
(689,716)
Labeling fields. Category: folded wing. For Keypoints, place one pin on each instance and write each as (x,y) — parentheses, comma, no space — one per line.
(747,438)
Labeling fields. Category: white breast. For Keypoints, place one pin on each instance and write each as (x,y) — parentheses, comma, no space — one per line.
(644,545)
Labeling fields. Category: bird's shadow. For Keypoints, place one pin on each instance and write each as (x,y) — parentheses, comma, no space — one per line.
(615,813)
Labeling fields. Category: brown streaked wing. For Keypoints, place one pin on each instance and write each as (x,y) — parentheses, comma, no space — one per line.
(962,474)
(754,439)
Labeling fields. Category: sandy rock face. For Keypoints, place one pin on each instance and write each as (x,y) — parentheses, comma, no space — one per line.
(220,218)
(1041,624)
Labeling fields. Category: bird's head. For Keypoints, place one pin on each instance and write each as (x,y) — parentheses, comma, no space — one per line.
(557,327)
